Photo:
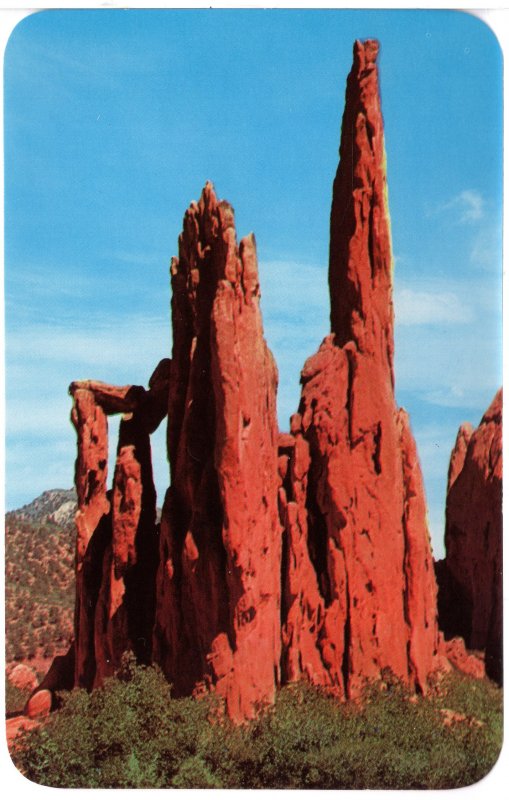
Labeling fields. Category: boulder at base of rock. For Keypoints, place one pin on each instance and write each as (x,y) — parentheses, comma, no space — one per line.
(39,705)
(457,655)
(15,726)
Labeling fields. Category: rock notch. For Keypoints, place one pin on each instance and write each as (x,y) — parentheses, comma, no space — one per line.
(359,592)
(470,577)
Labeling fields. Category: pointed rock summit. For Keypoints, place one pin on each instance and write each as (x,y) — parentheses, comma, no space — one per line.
(217,621)
(359,589)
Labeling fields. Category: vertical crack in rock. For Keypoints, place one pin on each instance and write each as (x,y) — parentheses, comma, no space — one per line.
(470,577)
(218,614)
(377,595)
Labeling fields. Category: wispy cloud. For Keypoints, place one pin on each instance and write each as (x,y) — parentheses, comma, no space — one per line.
(134,257)
(467,206)
(486,251)
(417,307)
(121,351)
(470,205)
(459,370)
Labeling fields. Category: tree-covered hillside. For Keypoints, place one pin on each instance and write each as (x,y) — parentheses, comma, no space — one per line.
(39,585)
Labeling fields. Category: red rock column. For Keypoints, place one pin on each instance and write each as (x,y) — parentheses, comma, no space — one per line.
(93,507)
(117,548)
(473,538)
(363,500)
(218,591)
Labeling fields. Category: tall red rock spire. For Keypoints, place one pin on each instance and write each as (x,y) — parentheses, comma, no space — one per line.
(218,622)
(361,596)
(360,257)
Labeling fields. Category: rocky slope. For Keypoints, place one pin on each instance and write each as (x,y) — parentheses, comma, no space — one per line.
(54,505)
(470,576)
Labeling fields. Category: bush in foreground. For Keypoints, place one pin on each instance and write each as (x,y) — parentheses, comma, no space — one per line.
(15,698)
(132,734)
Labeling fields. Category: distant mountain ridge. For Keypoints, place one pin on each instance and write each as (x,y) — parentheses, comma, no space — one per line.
(55,505)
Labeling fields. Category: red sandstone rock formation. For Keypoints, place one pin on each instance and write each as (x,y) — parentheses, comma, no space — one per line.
(282,556)
(217,621)
(359,591)
(471,576)
(117,543)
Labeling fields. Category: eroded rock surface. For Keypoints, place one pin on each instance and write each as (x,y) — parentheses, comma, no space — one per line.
(218,622)
(360,593)
(470,577)
(117,542)
(281,556)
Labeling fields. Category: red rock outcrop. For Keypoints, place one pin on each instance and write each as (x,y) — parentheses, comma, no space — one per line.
(458,657)
(281,556)
(217,621)
(359,589)
(117,542)
(470,577)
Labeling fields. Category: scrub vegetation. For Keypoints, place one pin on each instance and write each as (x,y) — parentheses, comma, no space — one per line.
(131,733)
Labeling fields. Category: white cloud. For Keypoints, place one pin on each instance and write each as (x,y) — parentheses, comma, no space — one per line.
(486,251)
(129,347)
(417,307)
(447,368)
(468,204)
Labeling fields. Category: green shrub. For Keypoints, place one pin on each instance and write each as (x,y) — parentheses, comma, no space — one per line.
(131,734)
(15,698)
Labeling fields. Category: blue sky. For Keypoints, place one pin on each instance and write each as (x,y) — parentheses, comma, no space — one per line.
(114,120)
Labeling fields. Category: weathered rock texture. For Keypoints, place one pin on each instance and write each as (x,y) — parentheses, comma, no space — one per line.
(217,621)
(117,543)
(359,592)
(281,556)
(470,577)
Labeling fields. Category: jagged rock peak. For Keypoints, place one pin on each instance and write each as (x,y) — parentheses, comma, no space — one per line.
(360,258)
(206,224)
(217,620)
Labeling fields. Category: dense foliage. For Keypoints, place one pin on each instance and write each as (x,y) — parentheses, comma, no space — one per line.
(132,734)
(15,698)
(39,586)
